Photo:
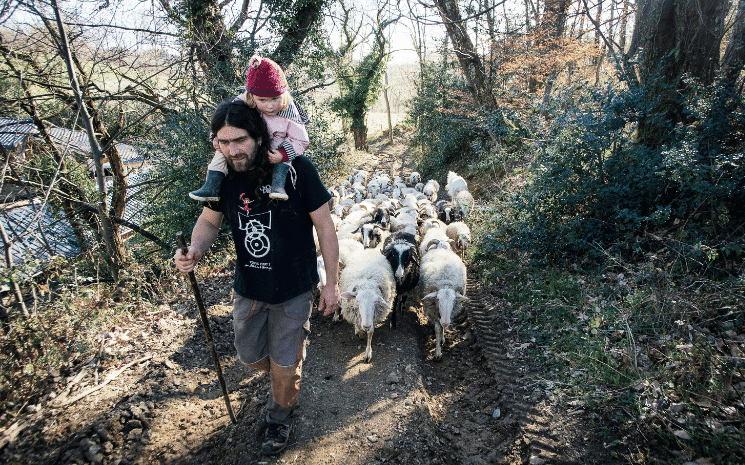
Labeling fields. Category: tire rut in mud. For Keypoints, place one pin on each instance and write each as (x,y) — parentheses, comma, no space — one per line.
(531,412)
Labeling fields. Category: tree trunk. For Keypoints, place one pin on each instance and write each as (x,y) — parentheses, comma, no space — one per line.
(114,255)
(360,137)
(9,269)
(734,55)
(624,26)
(307,15)
(77,228)
(681,36)
(388,110)
(677,38)
(211,40)
(598,20)
(554,22)
(469,61)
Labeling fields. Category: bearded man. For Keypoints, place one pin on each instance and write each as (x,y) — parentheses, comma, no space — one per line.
(276,266)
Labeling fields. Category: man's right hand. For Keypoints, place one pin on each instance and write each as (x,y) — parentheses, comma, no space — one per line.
(186,263)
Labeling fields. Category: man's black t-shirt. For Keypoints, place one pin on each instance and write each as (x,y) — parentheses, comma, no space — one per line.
(273,238)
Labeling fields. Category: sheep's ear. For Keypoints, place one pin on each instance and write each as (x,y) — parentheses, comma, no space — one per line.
(461,297)
(431,295)
(348,295)
(383,302)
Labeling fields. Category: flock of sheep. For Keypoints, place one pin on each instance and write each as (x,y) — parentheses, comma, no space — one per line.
(398,241)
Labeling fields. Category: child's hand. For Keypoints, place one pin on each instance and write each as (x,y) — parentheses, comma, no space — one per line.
(275,156)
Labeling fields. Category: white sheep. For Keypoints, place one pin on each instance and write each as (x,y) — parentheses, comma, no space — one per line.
(403,221)
(414,178)
(427,211)
(382,179)
(373,235)
(348,247)
(430,190)
(321,267)
(442,287)
(455,184)
(334,200)
(410,200)
(434,238)
(464,202)
(368,291)
(380,198)
(460,234)
(430,223)
(373,189)
(346,202)
(360,176)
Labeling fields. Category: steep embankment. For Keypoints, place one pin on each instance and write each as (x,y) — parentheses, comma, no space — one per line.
(480,404)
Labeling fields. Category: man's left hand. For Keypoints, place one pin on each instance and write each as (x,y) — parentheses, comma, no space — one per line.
(329,300)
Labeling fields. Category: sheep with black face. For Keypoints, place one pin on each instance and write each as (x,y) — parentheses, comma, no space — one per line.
(402,252)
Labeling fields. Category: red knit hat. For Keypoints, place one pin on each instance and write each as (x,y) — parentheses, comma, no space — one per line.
(265,78)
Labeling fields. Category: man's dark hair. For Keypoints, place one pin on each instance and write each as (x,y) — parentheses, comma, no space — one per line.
(234,112)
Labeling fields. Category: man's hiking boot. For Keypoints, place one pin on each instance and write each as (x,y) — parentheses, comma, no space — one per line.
(276,438)
(210,191)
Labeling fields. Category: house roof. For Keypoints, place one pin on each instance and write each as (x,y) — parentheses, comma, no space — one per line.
(134,211)
(78,141)
(37,234)
(14,130)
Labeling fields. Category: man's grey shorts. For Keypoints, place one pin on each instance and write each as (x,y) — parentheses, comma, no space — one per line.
(277,331)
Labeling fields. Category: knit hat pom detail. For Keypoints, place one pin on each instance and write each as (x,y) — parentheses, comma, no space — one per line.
(254,62)
(265,78)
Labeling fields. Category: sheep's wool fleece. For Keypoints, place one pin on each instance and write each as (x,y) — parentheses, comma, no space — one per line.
(440,269)
(367,269)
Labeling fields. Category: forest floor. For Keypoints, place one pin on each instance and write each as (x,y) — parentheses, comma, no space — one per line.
(483,403)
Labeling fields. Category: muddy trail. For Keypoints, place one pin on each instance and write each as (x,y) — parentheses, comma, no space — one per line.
(483,403)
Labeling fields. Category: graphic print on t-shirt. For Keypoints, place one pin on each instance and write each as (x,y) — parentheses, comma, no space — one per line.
(255,226)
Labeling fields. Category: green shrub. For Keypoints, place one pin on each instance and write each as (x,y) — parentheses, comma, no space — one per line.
(444,131)
(591,190)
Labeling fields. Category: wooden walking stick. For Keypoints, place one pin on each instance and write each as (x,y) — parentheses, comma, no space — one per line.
(206,327)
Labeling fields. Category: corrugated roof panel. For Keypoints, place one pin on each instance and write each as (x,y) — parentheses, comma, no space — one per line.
(14,130)
(37,234)
(67,140)
(78,142)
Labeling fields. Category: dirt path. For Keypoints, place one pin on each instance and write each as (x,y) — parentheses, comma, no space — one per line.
(481,404)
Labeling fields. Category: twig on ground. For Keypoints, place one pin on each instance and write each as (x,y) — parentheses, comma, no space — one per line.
(72,384)
(109,378)
(10,434)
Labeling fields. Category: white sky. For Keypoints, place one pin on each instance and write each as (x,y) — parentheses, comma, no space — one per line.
(139,13)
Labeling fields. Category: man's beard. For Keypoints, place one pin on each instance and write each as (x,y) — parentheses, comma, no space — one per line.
(245,162)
